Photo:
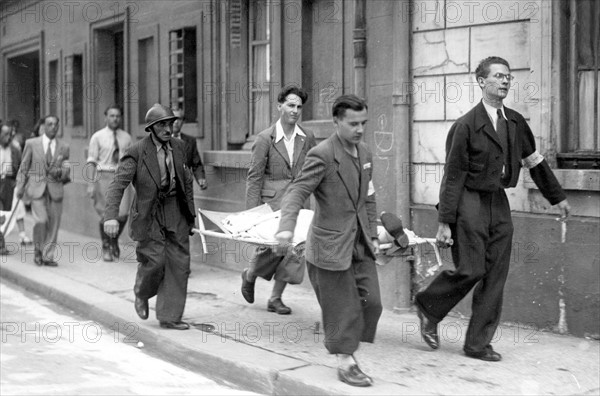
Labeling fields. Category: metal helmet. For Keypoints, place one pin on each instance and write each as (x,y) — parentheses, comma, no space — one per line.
(158,113)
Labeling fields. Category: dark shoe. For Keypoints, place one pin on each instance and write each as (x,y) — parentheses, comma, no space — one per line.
(141,307)
(50,263)
(106,256)
(25,241)
(393,225)
(4,251)
(489,355)
(175,325)
(428,330)
(278,306)
(354,376)
(247,287)
(38,261)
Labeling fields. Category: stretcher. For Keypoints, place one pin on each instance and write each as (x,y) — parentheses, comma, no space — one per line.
(258,226)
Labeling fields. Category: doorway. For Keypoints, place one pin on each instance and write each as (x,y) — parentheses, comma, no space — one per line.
(24,72)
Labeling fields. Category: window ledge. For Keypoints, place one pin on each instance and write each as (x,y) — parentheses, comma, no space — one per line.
(227,159)
(572,179)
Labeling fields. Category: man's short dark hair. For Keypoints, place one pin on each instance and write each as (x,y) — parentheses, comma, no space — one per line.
(292,89)
(114,106)
(53,116)
(484,66)
(346,102)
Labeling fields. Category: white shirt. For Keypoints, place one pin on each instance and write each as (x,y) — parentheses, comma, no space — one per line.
(5,161)
(46,142)
(289,143)
(102,146)
(493,113)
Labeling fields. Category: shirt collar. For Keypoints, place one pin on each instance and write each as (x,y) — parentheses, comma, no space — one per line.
(46,141)
(279,134)
(492,111)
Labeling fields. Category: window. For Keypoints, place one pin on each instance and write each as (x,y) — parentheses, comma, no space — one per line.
(74,90)
(182,72)
(581,146)
(260,65)
(147,87)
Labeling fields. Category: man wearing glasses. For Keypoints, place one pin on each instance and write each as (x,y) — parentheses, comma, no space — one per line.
(485,150)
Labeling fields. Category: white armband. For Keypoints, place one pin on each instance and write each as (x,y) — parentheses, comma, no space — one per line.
(371,189)
(532,160)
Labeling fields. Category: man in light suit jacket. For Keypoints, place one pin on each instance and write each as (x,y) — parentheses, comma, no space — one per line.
(278,154)
(193,159)
(44,172)
(161,217)
(342,240)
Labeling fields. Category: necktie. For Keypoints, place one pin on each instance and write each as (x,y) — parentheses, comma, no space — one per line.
(167,165)
(115,154)
(502,131)
(48,155)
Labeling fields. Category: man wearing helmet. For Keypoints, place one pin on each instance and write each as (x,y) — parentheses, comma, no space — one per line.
(161,218)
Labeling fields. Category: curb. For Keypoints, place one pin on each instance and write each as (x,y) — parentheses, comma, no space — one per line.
(235,364)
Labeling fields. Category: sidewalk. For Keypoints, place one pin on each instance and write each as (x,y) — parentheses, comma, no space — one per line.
(274,354)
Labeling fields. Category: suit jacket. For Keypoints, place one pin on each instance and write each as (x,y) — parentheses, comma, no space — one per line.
(193,160)
(342,206)
(270,172)
(474,159)
(139,166)
(35,174)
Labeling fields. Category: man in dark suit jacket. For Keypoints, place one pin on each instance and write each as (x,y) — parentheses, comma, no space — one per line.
(278,154)
(44,172)
(342,240)
(193,159)
(161,217)
(10,160)
(485,150)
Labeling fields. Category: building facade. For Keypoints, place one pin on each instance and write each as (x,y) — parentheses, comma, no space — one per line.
(225,61)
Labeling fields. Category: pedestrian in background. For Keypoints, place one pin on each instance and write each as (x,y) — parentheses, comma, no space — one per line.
(162,217)
(106,147)
(342,240)
(44,172)
(278,154)
(10,160)
(193,159)
(485,150)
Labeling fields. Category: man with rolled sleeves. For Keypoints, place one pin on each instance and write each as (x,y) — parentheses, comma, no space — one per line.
(161,218)
(342,240)
(106,147)
(485,150)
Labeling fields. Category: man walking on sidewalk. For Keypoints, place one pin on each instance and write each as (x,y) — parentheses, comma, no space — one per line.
(484,152)
(44,172)
(106,148)
(278,154)
(162,217)
(342,239)
(10,159)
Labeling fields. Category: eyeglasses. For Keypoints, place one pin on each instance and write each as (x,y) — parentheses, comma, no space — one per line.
(502,76)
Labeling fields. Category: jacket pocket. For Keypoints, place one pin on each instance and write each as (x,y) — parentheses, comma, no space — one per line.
(475,167)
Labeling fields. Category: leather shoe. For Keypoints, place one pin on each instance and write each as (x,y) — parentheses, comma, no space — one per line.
(393,225)
(428,330)
(114,249)
(247,287)
(489,355)
(278,306)
(4,251)
(354,376)
(141,307)
(175,325)
(50,263)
